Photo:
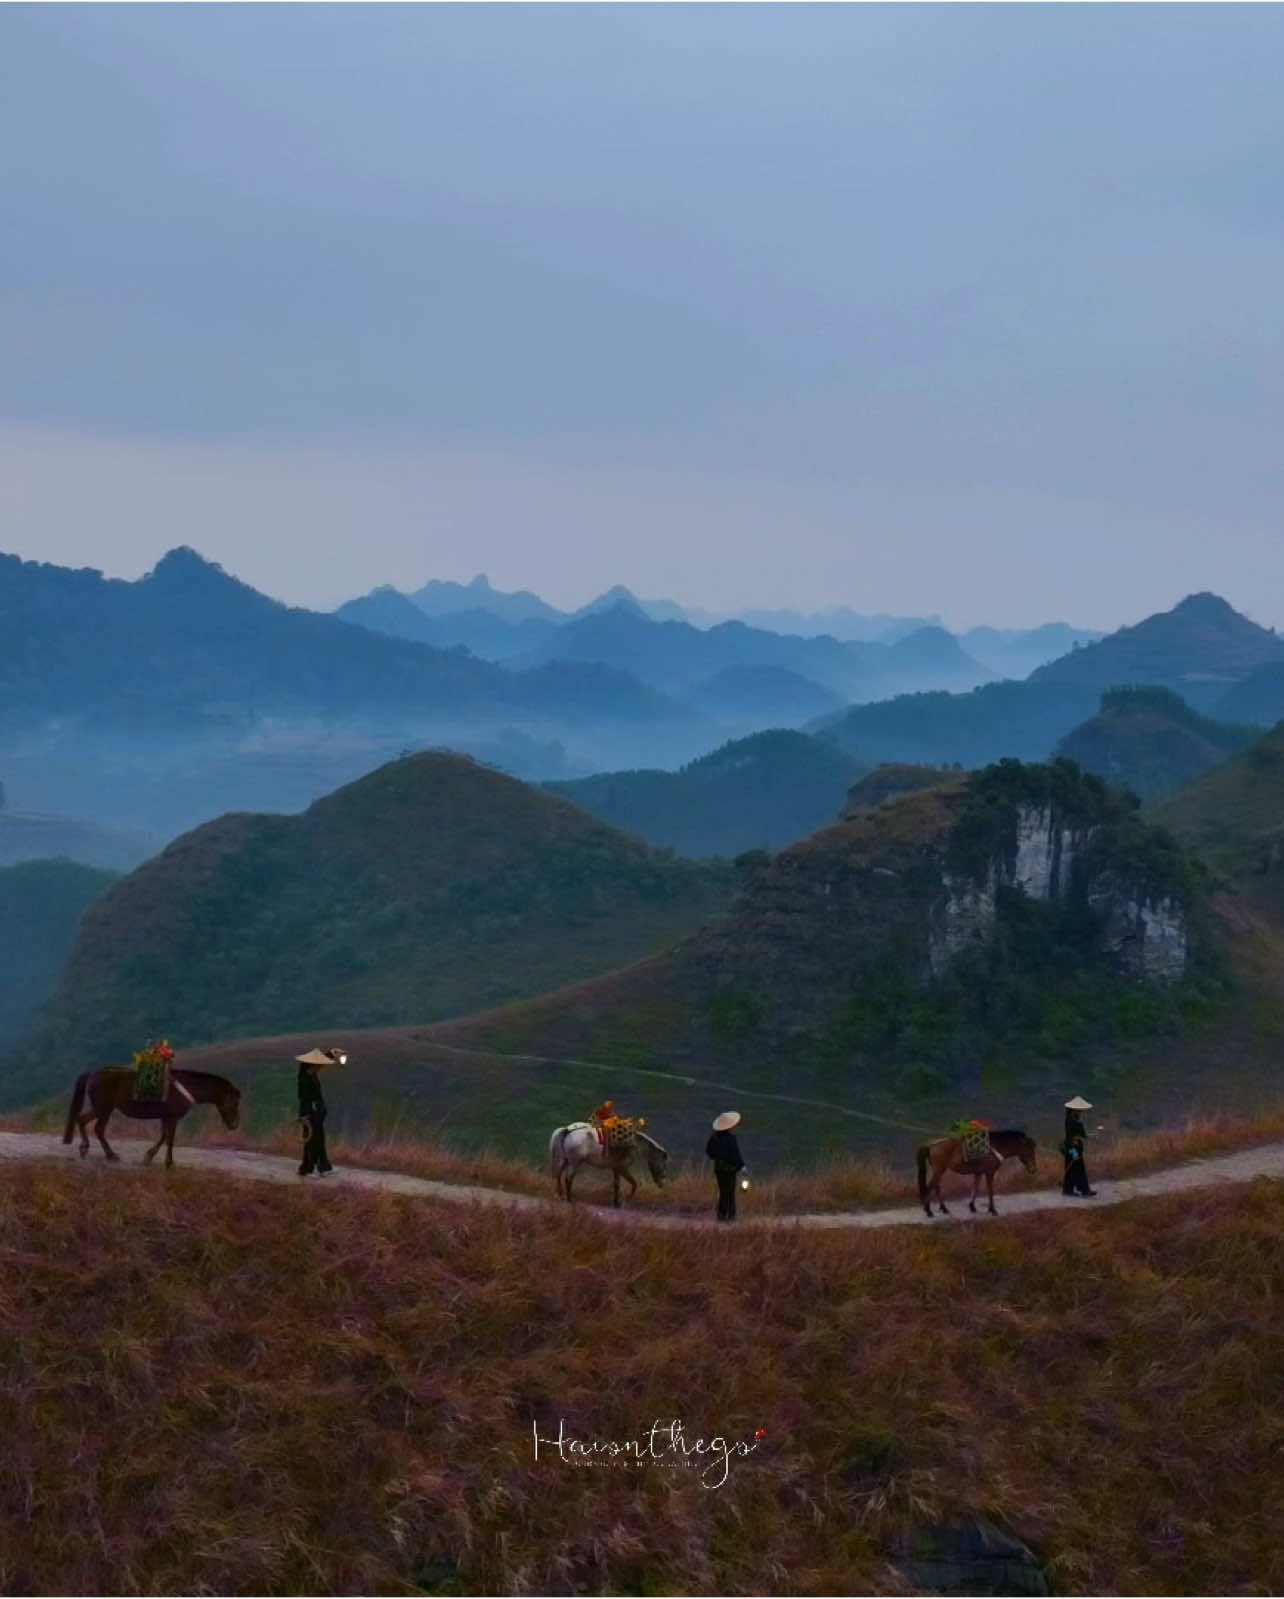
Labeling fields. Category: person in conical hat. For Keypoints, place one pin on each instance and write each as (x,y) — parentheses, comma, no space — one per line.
(723,1149)
(1074,1184)
(312,1109)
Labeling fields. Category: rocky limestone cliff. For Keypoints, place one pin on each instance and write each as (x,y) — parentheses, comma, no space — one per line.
(1150,938)
(913,884)
(1147,933)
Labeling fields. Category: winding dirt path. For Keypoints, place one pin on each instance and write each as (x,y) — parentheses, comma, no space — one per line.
(1265,1160)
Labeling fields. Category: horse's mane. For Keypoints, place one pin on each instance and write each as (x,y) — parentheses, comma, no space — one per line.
(204,1077)
(1009,1132)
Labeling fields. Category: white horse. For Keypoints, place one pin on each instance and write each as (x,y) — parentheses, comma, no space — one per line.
(578,1145)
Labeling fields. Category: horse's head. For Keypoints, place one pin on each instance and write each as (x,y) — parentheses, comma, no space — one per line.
(657,1161)
(229,1107)
(1011,1141)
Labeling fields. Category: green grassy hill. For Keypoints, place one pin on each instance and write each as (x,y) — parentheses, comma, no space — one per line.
(859,961)
(812,1006)
(1234,817)
(41,903)
(216,1387)
(754,793)
(862,988)
(432,887)
(1149,740)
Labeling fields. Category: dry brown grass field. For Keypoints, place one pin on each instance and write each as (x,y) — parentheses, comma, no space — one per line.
(214,1387)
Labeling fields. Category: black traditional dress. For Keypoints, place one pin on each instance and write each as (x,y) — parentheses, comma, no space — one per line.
(1076,1174)
(723,1150)
(312,1108)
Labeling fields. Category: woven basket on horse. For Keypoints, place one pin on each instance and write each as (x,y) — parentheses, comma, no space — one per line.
(976,1140)
(619,1133)
(151,1073)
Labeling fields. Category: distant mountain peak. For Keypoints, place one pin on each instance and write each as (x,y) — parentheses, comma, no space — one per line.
(1208,607)
(1201,643)
(931,634)
(183,559)
(443,597)
(616,598)
(184,573)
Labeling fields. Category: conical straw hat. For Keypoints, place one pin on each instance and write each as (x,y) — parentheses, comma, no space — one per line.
(323,1057)
(725,1122)
(1078,1103)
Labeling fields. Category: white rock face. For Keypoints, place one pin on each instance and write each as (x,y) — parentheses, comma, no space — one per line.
(1044,853)
(1149,937)
(1165,941)
(966,917)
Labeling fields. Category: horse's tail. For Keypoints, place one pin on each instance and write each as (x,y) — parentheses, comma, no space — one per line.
(77,1104)
(922,1171)
(555,1154)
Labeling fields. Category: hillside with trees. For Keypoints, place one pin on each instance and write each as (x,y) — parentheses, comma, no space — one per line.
(1234,817)
(1258,698)
(757,697)
(41,904)
(753,793)
(892,781)
(989,941)
(999,941)
(1023,721)
(430,888)
(1150,741)
(1199,649)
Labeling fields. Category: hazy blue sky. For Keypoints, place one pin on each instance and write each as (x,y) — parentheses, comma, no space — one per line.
(969,309)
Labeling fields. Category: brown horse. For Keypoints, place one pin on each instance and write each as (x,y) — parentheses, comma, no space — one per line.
(111,1087)
(946,1154)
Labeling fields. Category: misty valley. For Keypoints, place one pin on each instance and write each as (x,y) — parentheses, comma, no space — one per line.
(641,801)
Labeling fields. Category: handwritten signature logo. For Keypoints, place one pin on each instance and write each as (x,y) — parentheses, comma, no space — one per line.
(662,1445)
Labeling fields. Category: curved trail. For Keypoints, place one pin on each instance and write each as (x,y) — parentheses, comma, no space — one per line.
(1265,1160)
(734,1089)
